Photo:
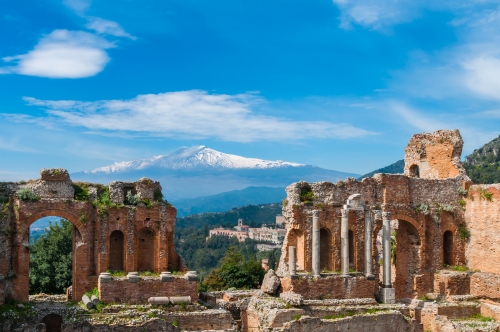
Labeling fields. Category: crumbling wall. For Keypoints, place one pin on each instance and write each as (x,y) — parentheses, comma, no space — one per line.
(434,155)
(123,290)
(330,287)
(482,232)
(94,217)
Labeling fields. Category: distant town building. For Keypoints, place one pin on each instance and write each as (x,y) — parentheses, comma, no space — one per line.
(266,234)
(242,232)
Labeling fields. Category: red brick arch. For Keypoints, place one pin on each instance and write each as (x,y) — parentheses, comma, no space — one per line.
(75,220)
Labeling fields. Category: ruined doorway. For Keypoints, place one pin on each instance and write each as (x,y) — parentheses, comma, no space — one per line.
(324,258)
(296,239)
(448,248)
(50,243)
(414,171)
(53,322)
(116,256)
(405,254)
(145,250)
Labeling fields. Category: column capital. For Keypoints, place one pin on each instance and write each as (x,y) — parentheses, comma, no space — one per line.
(386,215)
(315,213)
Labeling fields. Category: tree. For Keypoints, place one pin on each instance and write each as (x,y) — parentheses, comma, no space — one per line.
(51,260)
(235,272)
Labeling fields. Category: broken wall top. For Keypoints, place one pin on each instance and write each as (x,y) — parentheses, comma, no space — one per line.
(434,155)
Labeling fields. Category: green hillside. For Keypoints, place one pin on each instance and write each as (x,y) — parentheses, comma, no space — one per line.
(483,165)
(395,168)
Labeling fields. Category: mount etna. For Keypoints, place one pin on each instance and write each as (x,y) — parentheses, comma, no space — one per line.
(200,171)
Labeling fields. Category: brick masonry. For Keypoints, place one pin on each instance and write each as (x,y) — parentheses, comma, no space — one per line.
(120,290)
(331,287)
(423,236)
(91,233)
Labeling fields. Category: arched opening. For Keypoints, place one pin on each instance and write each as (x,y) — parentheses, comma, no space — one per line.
(146,250)
(448,248)
(324,258)
(296,239)
(50,244)
(53,322)
(405,252)
(352,252)
(116,256)
(414,171)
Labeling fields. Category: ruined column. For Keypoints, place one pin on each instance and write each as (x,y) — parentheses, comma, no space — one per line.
(316,267)
(344,243)
(292,261)
(387,293)
(368,244)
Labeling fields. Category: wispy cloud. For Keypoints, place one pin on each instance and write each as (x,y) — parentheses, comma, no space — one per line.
(192,114)
(62,54)
(79,6)
(106,27)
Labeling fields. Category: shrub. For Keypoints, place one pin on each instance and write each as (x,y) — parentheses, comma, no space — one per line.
(27,195)
(132,199)
(422,208)
(462,191)
(81,191)
(486,195)
(158,195)
(463,232)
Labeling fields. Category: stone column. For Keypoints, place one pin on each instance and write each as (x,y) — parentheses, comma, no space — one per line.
(316,267)
(387,293)
(292,261)
(368,244)
(344,243)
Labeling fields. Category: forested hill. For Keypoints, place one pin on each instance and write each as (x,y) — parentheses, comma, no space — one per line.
(252,215)
(483,165)
(395,168)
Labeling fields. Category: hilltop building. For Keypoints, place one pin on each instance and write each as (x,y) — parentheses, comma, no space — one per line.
(242,232)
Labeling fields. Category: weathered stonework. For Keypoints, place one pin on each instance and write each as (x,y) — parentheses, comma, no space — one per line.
(98,230)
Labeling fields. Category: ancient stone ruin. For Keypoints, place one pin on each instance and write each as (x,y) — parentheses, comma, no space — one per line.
(395,252)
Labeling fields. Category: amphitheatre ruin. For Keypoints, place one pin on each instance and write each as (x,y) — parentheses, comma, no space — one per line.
(438,270)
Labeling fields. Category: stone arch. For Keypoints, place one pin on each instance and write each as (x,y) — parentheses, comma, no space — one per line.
(326,246)
(296,239)
(146,250)
(116,251)
(21,255)
(409,243)
(448,248)
(53,322)
(414,171)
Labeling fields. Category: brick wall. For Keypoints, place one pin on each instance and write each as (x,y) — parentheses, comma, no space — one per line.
(91,232)
(452,283)
(485,285)
(483,222)
(331,287)
(120,290)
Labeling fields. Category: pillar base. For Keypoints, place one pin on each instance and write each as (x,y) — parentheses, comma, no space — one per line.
(370,277)
(388,295)
(294,276)
(346,276)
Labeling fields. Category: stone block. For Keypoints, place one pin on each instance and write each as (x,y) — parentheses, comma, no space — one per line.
(191,276)
(166,277)
(54,174)
(133,277)
(388,295)
(105,277)
(292,298)
(270,283)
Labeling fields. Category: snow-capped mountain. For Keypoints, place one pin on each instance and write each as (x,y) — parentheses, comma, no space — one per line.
(193,157)
(201,171)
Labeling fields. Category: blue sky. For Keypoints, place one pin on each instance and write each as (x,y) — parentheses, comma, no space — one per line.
(338,84)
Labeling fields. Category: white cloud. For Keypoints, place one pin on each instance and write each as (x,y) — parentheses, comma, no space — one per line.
(192,114)
(483,76)
(106,27)
(79,6)
(62,54)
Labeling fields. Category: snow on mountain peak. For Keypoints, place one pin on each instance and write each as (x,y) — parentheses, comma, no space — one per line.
(194,157)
